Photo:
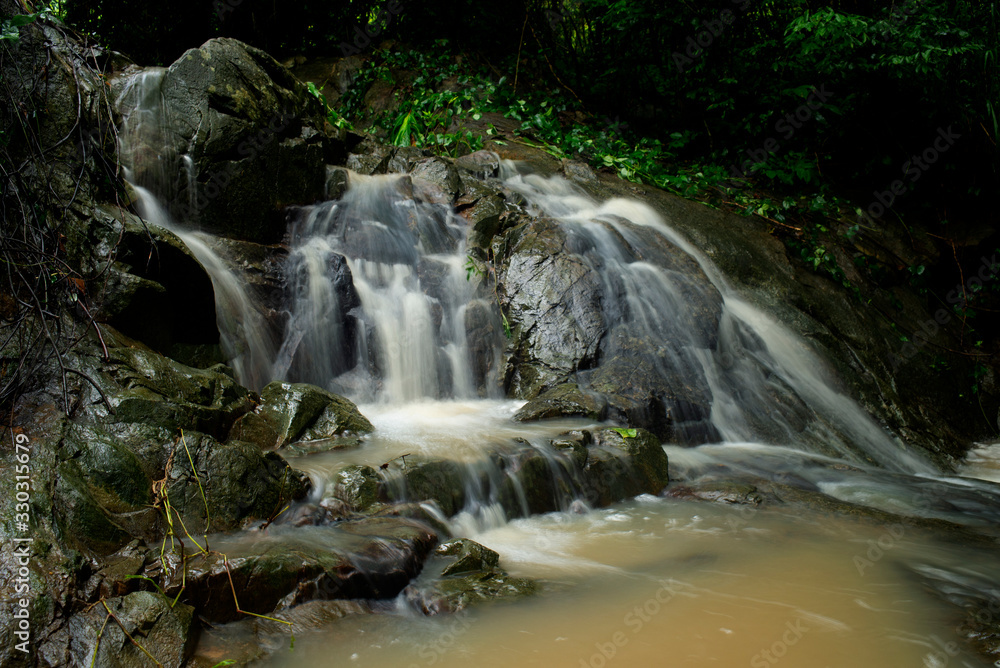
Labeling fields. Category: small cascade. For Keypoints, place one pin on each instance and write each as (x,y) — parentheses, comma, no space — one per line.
(152,168)
(763,383)
(378,297)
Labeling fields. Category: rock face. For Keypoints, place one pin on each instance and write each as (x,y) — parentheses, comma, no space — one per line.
(576,306)
(254,133)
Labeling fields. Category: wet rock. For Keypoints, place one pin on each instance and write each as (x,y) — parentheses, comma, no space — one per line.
(254,133)
(239,481)
(404,157)
(484,337)
(577,171)
(155,291)
(369,163)
(573,322)
(253,638)
(366,559)
(554,303)
(976,603)
(730,492)
(482,164)
(157,628)
(302,412)
(337,182)
(469,557)
(472,577)
(154,390)
(429,480)
(435,180)
(484,218)
(533,483)
(563,401)
(622,466)
(357,486)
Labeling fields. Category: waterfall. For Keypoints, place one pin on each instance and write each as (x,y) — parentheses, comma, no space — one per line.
(152,167)
(380,307)
(765,383)
(393,326)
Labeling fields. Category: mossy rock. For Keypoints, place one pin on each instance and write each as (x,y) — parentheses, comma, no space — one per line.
(303,412)
(240,483)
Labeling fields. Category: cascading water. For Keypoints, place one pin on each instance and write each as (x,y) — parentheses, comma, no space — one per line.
(153,169)
(378,302)
(379,297)
(763,384)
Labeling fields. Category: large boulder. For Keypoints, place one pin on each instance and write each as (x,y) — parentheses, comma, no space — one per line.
(616,310)
(256,136)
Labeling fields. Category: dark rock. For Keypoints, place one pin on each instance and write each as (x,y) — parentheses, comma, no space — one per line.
(239,481)
(155,291)
(370,559)
(434,480)
(484,217)
(157,629)
(253,132)
(621,466)
(435,180)
(302,412)
(337,182)
(484,337)
(563,401)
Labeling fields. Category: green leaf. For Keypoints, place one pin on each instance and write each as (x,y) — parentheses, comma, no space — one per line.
(626,433)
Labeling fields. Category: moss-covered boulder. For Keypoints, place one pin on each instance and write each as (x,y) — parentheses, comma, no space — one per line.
(256,136)
(291,412)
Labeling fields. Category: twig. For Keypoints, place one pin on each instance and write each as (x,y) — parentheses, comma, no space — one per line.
(208,515)
(225,562)
(127,635)
(96,386)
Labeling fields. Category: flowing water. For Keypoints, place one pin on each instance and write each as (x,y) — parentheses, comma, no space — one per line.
(379,308)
